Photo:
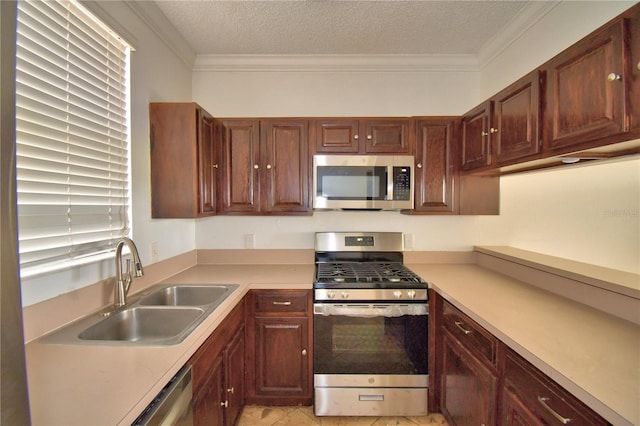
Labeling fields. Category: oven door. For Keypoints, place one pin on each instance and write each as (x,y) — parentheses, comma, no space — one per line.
(371,344)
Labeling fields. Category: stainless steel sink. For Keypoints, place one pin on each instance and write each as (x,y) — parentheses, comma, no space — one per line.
(140,324)
(186,295)
(160,315)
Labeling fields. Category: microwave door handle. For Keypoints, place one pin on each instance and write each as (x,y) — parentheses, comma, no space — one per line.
(390,183)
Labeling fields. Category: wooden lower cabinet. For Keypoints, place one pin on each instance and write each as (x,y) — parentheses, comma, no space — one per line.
(475,379)
(469,388)
(530,393)
(279,347)
(515,413)
(218,373)
(208,399)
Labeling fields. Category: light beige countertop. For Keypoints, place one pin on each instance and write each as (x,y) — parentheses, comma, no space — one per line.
(111,385)
(595,355)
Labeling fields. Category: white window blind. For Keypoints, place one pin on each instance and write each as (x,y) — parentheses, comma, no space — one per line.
(72,96)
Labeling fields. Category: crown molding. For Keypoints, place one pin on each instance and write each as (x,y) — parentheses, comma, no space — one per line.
(153,17)
(519,25)
(335,63)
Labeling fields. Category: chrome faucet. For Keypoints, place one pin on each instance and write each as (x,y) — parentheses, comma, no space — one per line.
(123,283)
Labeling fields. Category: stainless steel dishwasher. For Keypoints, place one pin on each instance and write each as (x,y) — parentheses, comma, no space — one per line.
(173,406)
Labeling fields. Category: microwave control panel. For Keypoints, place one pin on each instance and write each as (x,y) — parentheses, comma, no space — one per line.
(402,183)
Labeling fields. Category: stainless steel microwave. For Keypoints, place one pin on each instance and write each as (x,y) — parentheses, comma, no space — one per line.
(363,182)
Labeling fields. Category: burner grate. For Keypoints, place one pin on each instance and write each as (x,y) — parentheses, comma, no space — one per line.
(362,272)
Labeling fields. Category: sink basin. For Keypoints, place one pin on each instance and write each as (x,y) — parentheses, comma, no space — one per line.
(164,314)
(186,295)
(145,324)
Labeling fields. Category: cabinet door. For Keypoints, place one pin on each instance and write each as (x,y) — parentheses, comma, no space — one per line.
(475,137)
(586,90)
(435,167)
(285,167)
(282,359)
(234,378)
(516,132)
(208,408)
(181,137)
(239,186)
(515,413)
(389,136)
(468,387)
(339,136)
(207,164)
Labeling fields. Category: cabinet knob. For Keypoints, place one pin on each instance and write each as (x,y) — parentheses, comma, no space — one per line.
(419,165)
(369,137)
(304,352)
(356,137)
(255,166)
(268,166)
(230,390)
(484,134)
(225,404)
(638,65)
(613,77)
(492,130)
(215,166)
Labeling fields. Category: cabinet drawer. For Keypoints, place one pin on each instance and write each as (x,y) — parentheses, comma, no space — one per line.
(543,397)
(281,300)
(475,338)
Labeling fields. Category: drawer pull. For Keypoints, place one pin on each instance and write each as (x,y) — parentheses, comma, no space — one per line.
(459,325)
(543,402)
(275,302)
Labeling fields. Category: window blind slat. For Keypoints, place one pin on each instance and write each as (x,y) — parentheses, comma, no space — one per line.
(72,134)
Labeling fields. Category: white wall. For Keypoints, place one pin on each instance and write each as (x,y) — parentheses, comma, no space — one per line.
(564,212)
(589,213)
(334,94)
(156,75)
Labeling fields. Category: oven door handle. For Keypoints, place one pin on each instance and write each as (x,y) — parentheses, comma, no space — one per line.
(368,310)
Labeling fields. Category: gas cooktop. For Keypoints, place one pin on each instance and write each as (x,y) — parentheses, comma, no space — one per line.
(366,275)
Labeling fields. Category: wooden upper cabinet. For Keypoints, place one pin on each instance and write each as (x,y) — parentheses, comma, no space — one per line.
(435,169)
(387,136)
(362,136)
(516,131)
(587,90)
(183,163)
(265,167)
(337,136)
(475,137)
(285,166)
(238,185)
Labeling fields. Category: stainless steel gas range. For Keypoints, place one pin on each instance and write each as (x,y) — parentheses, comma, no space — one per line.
(370,327)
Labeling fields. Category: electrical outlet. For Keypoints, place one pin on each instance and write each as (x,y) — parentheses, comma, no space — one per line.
(154,252)
(408,241)
(249,241)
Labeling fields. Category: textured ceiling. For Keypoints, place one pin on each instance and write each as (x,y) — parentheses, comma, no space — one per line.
(339,27)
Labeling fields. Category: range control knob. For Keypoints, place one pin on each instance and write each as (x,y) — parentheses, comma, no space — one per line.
(397,294)
(344,295)
(331,294)
(411,294)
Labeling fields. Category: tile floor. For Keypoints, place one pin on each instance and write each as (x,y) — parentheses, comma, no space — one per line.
(303,416)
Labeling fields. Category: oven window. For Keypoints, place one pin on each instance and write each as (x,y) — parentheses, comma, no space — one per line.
(352,182)
(378,345)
